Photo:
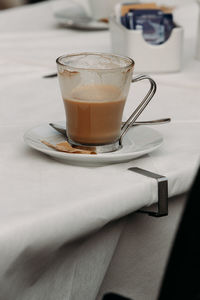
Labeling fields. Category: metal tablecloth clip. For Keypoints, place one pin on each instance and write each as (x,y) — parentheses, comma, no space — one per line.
(162,205)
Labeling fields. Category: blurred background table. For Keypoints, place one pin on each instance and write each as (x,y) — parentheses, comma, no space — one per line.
(70,232)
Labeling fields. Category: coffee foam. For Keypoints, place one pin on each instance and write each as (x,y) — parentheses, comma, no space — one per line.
(95,93)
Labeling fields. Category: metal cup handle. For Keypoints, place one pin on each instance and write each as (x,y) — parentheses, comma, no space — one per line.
(133,117)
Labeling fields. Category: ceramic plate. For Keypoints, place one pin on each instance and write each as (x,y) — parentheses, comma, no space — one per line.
(76,17)
(138,141)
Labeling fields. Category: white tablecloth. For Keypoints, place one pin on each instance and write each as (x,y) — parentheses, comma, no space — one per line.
(46,203)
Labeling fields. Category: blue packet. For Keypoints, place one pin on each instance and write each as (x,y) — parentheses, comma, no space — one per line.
(151,22)
(155,25)
(168,24)
(130,19)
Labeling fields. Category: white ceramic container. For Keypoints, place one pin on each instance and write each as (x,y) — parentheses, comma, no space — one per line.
(163,58)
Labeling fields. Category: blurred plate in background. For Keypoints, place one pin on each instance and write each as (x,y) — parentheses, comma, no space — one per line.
(73,15)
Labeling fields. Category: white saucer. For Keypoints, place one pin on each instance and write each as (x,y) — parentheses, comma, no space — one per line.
(74,16)
(138,141)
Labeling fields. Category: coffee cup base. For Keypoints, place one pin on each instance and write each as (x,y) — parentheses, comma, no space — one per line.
(98,148)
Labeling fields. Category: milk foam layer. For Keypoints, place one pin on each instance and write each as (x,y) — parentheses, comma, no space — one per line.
(96,93)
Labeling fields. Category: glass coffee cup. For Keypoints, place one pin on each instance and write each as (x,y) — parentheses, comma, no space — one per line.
(94,89)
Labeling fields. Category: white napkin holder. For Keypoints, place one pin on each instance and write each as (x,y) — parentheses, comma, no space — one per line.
(163,58)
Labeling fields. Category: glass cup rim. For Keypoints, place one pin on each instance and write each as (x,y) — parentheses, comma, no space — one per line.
(130,65)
